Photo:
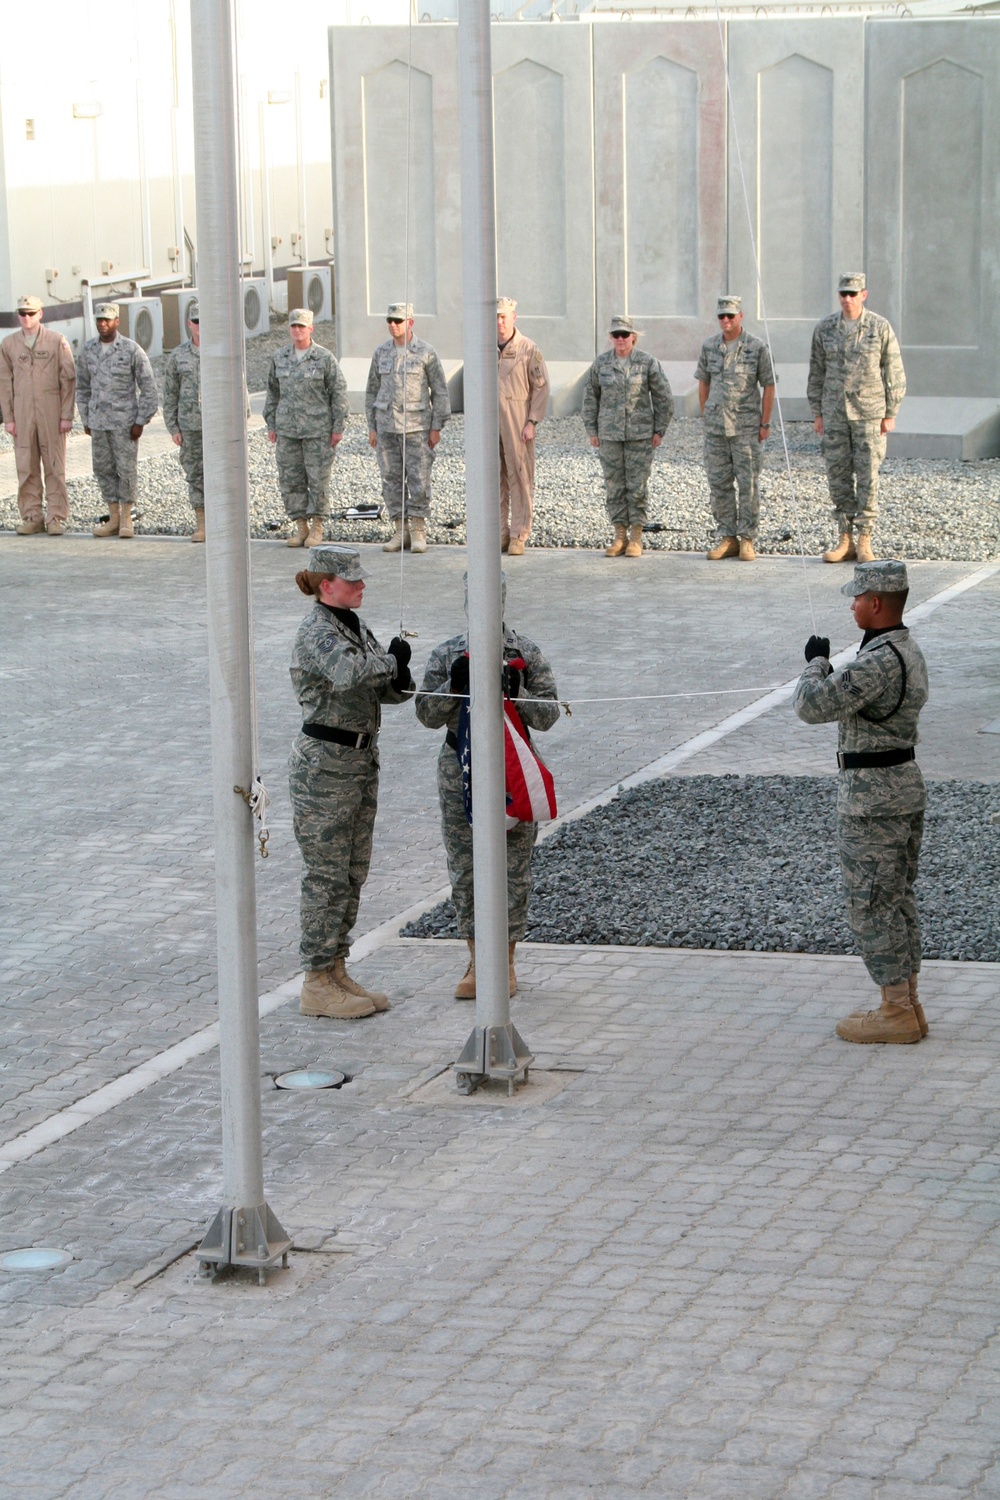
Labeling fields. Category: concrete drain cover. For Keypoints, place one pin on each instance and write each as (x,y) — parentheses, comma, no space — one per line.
(36,1258)
(310,1079)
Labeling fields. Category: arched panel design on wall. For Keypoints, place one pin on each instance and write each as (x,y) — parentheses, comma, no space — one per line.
(530,156)
(390,264)
(795,187)
(660,169)
(941,202)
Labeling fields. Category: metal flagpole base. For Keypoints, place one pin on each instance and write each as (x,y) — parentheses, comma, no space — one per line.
(492,1052)
(243,1237)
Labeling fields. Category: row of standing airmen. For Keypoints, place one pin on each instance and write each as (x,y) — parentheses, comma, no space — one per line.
(855,387)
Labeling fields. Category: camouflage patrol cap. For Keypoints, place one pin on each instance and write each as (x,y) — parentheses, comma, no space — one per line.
(29,304)
(300,317)
(506,305)
(337,562)
(399,310)
(193,313)
(852,281)
(729,304)
(622,323)
(106,310)
(877,578)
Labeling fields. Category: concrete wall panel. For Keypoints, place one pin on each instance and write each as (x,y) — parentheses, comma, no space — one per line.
(933,128)
(660,109)
(797,126)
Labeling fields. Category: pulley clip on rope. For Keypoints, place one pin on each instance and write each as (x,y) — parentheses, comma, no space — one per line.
(258,799)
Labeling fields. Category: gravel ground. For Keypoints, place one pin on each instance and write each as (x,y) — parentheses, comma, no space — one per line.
(930,508)
(658,867)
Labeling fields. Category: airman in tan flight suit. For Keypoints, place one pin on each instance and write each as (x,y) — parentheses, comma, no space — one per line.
(37,390)
(523,383)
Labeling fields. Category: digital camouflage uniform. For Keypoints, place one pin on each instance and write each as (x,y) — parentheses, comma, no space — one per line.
(436,709)
(340,679)
(306,403)
(856,379)
(182,414)
(625,403)
(880,809)
(427,409)
(115,391)
(735,373)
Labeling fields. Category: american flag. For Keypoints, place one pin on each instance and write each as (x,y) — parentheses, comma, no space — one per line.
(530,790)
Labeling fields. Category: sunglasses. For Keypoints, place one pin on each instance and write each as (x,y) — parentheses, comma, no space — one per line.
(727,317)
(621,335)
(395,322)
(849,294)
(30,312)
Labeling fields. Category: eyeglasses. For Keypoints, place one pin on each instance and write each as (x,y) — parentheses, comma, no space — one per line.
(850,294)
(621,336)
(29,312)
(395,322)
(727,317)
(196,321)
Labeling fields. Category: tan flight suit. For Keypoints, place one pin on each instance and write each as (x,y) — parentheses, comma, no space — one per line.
(37,389)
(523,384)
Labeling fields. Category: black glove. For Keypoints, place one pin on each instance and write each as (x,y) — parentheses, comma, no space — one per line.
(460,675)
(511,680)
(817,645)
(400,649)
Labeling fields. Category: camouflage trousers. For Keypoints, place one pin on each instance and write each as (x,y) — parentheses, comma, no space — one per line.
(458,848)
(334,794)
(192,456)
(419,460)
(115,457)
(853,454)
(732,467)
(878,865)
(304,475)
(626,477)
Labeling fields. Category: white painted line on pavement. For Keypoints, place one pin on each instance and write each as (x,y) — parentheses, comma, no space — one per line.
(82,1111)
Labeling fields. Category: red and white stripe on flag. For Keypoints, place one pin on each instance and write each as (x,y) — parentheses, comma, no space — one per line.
(531,792)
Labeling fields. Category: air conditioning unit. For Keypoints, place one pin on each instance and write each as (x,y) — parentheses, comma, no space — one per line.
(312,287)
(175,305)
(142,320)
(256,313)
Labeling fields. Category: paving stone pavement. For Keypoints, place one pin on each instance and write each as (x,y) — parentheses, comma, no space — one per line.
(730,1256)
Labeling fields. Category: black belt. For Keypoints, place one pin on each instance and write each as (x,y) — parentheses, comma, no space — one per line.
(339,736)
(853,760)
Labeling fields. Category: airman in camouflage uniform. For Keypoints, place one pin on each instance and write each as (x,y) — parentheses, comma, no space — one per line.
(446,681)
(407,405)
(855,388)
(116,395)
(733,369)
(880,796)
(627,408)
(305,410)
(341,676)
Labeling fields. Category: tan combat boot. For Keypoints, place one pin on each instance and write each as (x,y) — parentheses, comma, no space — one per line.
(747,553)
(618,545)
(633,547)
(511,976)
(54,527)
(314,535)
(198,535)
(395,542)
(108,527)
(864,548)
(504,539)
(33,528)
(418,534)
(351,986)
(726,546)
(322,996)
(895,1021)
(125,527)
(298,536)
(465,989)
(515,547)
(918,1009)
(844,550)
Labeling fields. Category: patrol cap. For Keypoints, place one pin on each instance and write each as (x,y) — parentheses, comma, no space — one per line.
(300,317)
(852,281)
(337,562)
(729,304)
(106,310)
(194,315)
(29,304)
(877,578)
(622,323)
(506,304)
(399,310)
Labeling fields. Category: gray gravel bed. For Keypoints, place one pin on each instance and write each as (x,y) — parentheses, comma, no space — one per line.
(660,867)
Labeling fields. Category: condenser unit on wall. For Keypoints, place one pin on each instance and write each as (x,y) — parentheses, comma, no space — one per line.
(142,320)
(175,305)
(256,314)
(312,287)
